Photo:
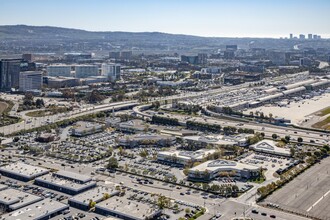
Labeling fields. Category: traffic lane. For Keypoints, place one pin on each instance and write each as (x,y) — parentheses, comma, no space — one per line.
(278,214)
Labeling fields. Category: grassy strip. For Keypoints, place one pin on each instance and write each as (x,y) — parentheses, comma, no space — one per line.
(324,112)
(325,124)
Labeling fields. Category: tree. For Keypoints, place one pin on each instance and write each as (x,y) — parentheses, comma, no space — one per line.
(40,103)
(95,97)
(299,139)
(68,94)
(144,153)
(287,138)
(163,202)
(187,210)
(274,136)
(186,171)
(28,99)
(112,163)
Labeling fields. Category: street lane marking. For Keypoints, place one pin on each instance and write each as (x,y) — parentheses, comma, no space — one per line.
(318,201)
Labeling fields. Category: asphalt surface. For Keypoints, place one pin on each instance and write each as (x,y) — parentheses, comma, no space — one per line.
(308,194)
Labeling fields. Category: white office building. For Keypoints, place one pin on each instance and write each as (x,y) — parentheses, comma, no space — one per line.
(30,80)
(59,70)
(112,71)
(85,71)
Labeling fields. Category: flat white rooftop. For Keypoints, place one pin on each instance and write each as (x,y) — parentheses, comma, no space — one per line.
(16,199)
(24,170)
(269,146)
(39,210)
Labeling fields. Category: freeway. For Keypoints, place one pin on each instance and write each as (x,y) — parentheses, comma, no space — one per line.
(318,138)
(33,122)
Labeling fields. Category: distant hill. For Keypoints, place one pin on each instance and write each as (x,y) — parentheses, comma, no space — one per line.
(30,37)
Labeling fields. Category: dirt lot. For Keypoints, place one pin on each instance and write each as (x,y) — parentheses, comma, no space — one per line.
(3,107)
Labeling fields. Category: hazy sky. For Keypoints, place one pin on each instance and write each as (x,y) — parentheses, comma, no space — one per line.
(220,18)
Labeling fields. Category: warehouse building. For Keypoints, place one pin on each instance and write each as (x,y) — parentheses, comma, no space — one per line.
(12,199)
(22,171)
(82,201)
(41,210)
(66,182)
(123,208)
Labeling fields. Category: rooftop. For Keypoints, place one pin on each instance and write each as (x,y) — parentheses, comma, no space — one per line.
(39,210)
(214,165)
(96,194)
(127,207)
(269,146)
(16,199)
(199,154)
(65,183)
(24,170)
(73,176)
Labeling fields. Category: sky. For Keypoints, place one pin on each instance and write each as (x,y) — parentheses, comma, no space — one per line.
(211,18)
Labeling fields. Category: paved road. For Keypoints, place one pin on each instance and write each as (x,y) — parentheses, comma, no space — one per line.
(309,193)
(40,121)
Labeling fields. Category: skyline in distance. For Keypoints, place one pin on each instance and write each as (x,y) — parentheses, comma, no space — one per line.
(209,18)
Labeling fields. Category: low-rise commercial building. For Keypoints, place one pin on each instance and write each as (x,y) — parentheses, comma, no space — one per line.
(66,182)
(183,157)
(83,128)
(82,201)
(126,209)
(214,141)
(141,140)
(214,168)
(132,126)
(12,199)
(41,210)
(269,147)
(22,171)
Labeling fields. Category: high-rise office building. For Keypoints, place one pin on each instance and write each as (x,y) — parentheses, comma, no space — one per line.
(28,57)
(114,55)
(9,73)
(112,71)
(84,71)
(30,80)
(310,36)
(59,70)
(126,55)
(301,36)
(291,36)
(202,58)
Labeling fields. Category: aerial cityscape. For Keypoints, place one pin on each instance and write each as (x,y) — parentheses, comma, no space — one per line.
(156,110)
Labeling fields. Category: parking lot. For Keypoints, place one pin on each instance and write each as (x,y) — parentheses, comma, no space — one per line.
(308,194)
(266,161)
